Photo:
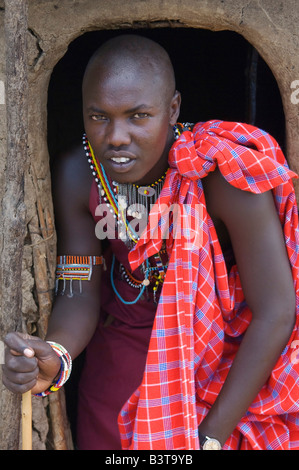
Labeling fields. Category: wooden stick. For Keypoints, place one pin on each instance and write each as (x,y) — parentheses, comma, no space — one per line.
(27,421)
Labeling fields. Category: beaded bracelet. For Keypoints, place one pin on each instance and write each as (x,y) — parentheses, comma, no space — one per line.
(65,370)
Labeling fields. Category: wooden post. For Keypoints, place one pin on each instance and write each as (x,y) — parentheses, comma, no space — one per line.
(13,221)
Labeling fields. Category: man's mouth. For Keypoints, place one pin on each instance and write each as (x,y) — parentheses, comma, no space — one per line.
(120,159)
(121,162)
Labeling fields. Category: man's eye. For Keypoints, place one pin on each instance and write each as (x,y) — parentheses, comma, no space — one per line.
(97,117)
(140,115)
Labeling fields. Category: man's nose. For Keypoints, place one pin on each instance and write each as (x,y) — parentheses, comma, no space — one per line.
(118,134)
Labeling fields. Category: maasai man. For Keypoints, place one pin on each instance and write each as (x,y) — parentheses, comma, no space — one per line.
(178,265)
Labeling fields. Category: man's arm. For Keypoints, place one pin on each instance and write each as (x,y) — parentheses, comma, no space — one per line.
(74,319)
(30,363)
(259,248)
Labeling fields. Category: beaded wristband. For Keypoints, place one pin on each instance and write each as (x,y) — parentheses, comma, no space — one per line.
(65,370)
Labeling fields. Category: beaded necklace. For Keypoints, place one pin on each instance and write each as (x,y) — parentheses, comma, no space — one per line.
(123,199)
(116,196)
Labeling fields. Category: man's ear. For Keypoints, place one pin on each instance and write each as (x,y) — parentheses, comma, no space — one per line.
(175,107)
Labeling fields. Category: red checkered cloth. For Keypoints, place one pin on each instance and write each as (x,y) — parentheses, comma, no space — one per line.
(201,304)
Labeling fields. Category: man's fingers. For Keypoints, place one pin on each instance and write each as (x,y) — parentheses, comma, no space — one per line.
(22,376)
(19,363)
(18,344)
(26,352)
(21,388)
(21,344)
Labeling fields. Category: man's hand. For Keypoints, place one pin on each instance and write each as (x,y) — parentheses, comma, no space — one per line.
(30,364)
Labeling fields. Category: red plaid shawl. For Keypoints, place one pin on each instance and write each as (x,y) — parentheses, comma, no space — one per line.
(201,305)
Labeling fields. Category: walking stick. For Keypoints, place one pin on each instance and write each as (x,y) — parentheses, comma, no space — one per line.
(27,421)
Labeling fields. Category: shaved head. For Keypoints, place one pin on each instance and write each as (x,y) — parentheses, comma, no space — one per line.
(137,56)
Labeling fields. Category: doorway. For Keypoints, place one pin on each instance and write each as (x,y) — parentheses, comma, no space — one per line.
(219,74)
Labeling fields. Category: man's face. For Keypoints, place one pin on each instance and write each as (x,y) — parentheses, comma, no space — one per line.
(128,122)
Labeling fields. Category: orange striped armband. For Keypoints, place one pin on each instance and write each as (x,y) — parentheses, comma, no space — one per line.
(79,268)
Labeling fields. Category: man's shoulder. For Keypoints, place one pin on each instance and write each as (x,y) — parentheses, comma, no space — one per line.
(223,198)
(72,165)
(70,158)
(71,173)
